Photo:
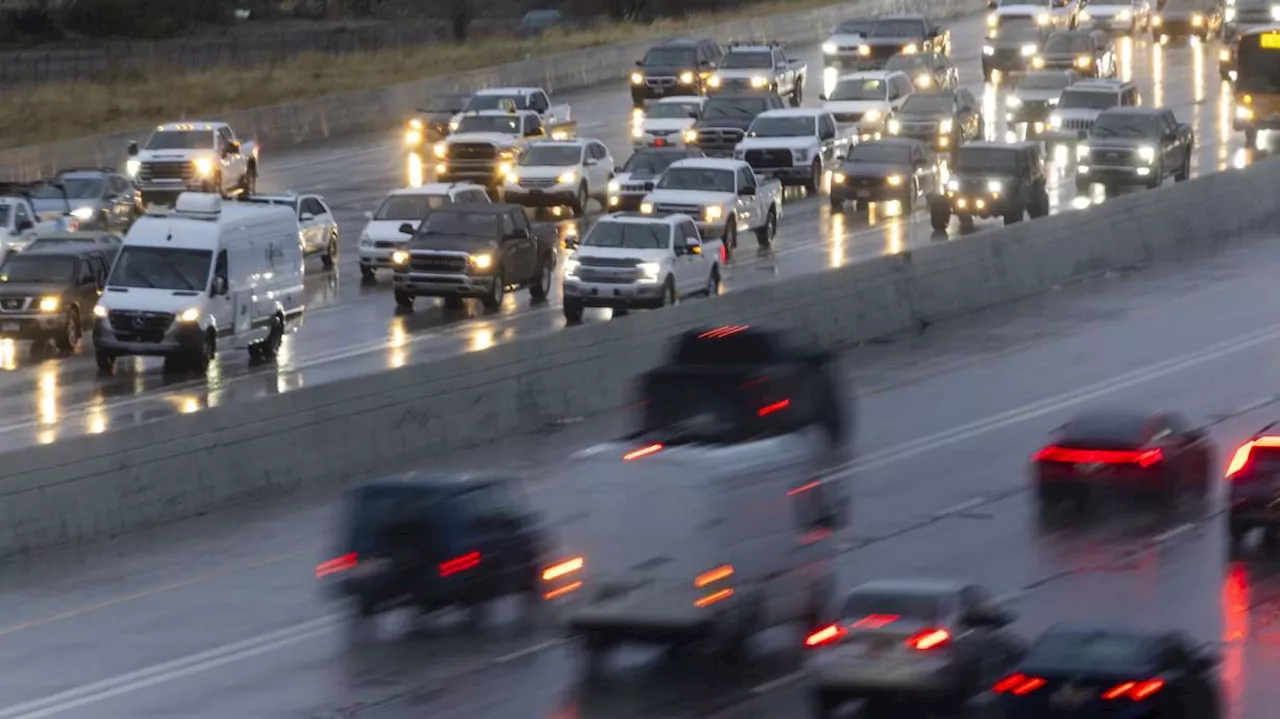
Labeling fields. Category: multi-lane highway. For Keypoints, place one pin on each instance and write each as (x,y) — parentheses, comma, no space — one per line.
(221,617)
(352,328)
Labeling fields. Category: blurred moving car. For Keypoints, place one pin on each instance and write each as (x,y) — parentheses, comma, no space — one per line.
(1253,487)
(382,235)
(1084,672)
(663,123)
(1187,19)
(841,48)
(927,70)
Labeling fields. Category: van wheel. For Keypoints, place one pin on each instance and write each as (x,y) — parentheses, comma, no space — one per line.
(541,286)
(669,293)
(71,332)
(595,652)
(201,358)
(939,218)
(249,183)
(713,283)
(106,361)
(404,299)
(270,347)
(493,300)
(330,257)
(734,646)
(769,230)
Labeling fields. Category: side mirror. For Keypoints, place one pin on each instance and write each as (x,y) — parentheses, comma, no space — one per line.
(988,617)
(694,249)
(747,191)
(24,225)
(230,148)
(219,287)
(823,97)
(521,234)
(571,242)
(132,148)
(406,228)
(306,217)
(368,214)
(639,63)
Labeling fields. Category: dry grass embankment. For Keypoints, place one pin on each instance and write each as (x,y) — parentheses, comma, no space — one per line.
(36,114)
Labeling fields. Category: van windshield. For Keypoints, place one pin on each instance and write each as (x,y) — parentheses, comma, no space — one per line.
(162,268)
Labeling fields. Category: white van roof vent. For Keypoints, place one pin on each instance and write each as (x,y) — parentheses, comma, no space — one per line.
(198,203)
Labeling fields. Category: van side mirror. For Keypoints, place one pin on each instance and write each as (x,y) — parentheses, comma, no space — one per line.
(132,148)
(219,287)
(406,228)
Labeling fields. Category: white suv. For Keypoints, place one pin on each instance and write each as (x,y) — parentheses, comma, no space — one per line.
(868,99)
(553,173)
(1080,104)
(381,236)
(631,260)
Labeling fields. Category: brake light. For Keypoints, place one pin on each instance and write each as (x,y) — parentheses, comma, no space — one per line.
(1018,685)
(1143,458)
(876,621)
(775,407)
(713,576)
(460,564)
(1137,691)
(338,564)
(559,570)
(825,635)
(1240,460)
(643,452)
(722,332)
(929,639)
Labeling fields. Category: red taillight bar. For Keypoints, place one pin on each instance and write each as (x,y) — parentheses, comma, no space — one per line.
(1137,691)
(642,452)
(825,635)
(1018,685)
(929,639)
(775,407)
(467,561)
(720,332)
(1143,457)
(338,564)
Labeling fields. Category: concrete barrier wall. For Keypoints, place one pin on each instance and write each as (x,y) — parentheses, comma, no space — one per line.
(352,113)
(101,485)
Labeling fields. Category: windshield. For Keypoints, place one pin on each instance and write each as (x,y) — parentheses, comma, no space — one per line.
(1258,68)
(181,140)
(653,162)
(552,156)
(629,235)
(498,102)
(1017,29)
(162,268)
(738,109)
(672,110)
(986,159)
(501,124)
(898,28)
(929,103)
(467,224)
(907,63)
(447,103)
(1067,43)
(892,605)
(409,207)
(1126,125)
(1096,651)
(1044,81)
(765,126)
(860,89)
(1088,100)
(882,153)
(856,27)
(744,60)
(34,268)
(670,57)
(77,189)
(696,178)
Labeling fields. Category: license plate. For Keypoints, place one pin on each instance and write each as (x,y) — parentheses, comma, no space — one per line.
(864,193)
(10,327)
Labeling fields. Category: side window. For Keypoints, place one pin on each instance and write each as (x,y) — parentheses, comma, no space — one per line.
(1170,122)
(490,506)
(508,225)
(313,206)
(475,196)
(20,214)
(220,268)
(117,186)
(746,178)
(98,268)
(224,136)
(533,125)
(84,274)
(598,151)
(828,127)
(538,101)
(778,59)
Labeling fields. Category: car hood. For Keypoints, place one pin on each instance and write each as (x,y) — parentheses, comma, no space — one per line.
(388,230)
(795,143)
(671,124)
(543,172)
(1037,95)
(452,243)
(152,300)
(33,289)
(873,169)
(1063,56)
(892,41)
(1121,143)
(863,106)
(744,73)
(493,138)
(163,155)
(845,40)
(731,123)
(688,197)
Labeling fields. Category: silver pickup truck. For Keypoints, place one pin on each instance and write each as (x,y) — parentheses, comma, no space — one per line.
(723,196)
(795,146)
(196,157)
(761,67)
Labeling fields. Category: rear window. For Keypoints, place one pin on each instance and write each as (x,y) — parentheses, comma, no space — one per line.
(1105,432)
(383,521)
(912,607)
(1092,651)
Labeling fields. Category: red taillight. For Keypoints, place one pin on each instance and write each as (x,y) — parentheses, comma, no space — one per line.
(1018,685)
(721,332)
(1137,691)
(659,142)
(460,564)
(775,407)
(825,635)
(1143,458)
(929,639)
(876,621)
(1240,460)
(643,452)
(337,564)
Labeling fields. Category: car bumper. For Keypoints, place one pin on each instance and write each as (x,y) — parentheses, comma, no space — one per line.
(786,175)
(1113,174)
(675,139)
(978,205)
(30,326)
(423,284)
(599,294)
(540,197)
(1254,511)
(879,193)
(376,257)
(180,337)
(488,175)
(625,203)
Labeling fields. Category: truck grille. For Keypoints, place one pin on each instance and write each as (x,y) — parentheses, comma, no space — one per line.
(14,304)
(693,211)
(634,188)
(387,244)
(660,81)
(1105,156)
(719,139)
(919,129)
(769,158)
(620,276)
(884,52)
(1005,56)
(132,326)
(865,181)
(848,117)
(472,151)
(538,182)
(166,171)
(609,262)
(1078,123)
(437,263)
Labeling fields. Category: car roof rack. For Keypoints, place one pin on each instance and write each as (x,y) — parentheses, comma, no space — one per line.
(755,43)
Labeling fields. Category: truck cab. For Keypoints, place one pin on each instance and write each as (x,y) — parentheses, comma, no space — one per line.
(795,146)
(484,147)
(723,196)
(202,157)
(753,66)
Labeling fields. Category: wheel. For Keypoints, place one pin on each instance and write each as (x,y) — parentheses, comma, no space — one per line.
(579,205)
(939,217)
(1039,204)
(404,299)
(250,181)
(270,347)
(200,358)
(769,230)
(837,204)
(595,652)
(330,256)
(713,282)
(1157,178)
(814,183)
(966,223)
(1251,138)
(669,297)
(1184,172)
(453,302)
(573,311)
(493,300)
(797,95)
(106,361)
(735,646)
(541,286)
(730,239)
(1014,216)
(1083,186)
(71,332)
(367,272)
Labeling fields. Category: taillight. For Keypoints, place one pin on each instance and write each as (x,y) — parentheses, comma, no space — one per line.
(876,621)
(929,639)
(337,564)
(460,564)
(721,332)
(705,582)
(563,568)
(643,452)
(556,573)
(715,575)
(775,407)
(1240,459)
(1018,685)
(1137,691)
(825,635)
(1143,458)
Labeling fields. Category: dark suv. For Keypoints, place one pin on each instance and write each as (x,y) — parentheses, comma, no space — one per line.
(991,179)
(435,541)
(680,66)
(49,291)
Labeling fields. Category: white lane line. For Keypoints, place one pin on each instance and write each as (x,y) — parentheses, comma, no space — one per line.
(168,671)
(1172,533)
(778,683)
(530,650)
(961,507)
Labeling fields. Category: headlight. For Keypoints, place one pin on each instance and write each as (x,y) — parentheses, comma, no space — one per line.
(189,316)
(504,168)
(686,78)
(1084,61)
(132,166)
(1037,63)
(690,135)
(513,177)
(399,257)
(715,81)
(988,50)
(1197,19)
(100,312)
(571,267)
(649,270)
(413,137)
(953,185)
(894,127)
(1156,21)
(994,186)
(872,115)
(415,124)
(1148,154)
(1012,101)
(864,50)
(1224,55)
(637,78)
(646,208)
(829,48)
(992,20)
(894,180)
(1230,15)
(204,166)
(910,49)
(945,126)
(1124,16)
(614,187)
(1275,12)
(49,304)
(567,177)
(1055,121)
(482,261)
(1244,113)
(1082,151)
(440,150)
(1085,16)
(637,132)
(453,125)
(83,213)
(1043,19)
(759,82)
(839,178)
(923,80)
(1028,50)
(713,213)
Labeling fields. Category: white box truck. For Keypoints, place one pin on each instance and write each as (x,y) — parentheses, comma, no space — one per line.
(204,276)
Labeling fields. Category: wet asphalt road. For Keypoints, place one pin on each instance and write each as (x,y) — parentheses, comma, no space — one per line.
(352,328)
(221,617)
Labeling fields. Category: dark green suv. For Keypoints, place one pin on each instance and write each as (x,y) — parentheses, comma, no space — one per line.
(992,179)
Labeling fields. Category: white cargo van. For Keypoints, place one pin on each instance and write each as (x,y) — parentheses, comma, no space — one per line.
(204,276)
(675,543)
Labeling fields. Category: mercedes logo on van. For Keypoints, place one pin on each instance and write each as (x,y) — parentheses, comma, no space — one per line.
(139,321)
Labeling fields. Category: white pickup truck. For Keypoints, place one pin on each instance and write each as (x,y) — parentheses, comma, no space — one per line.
(723,196)
(484,145)
(533,99)
(20,225)
(796,146)
(196,157)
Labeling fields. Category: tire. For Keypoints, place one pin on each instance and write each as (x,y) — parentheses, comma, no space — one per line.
(837,204)
(270,347)
(71,333)
(1014,216)
(1184,172)
(713,283)
(734,647)
(669,298)
(493,300)
(453,302)
(730,239)
(573,312)
(106,361)
(769,230)
(939,218)
(199,359)
(579,205)
(814,183)
(368,272)
(966,223)
(250,181)
(1039,205)
(330,256)
(404,299)
(1157,178)
(1251,138)
(797,95)
(541,286)
(1083,186)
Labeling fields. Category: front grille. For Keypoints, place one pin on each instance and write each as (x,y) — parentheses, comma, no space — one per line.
(660,81)
(1006,56)
(635,187)
(614,277)
(848,117)
(865,181)
(15,304)
(919,129)
(609,262)
(1078,123)
(166,171)
(720,139)
(1112,157)
(661,133)
(769,158)
(884,52)
(538,182)
(387,244)
(692,210)
(133,326)
(472,151)
(437,263)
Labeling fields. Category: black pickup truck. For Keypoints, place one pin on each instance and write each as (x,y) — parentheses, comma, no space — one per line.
(725,119)
(1134,146)
(475,250)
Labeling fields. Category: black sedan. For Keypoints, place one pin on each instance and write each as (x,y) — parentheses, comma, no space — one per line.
(927,70)
(899,169)
(945,120)
(1253,486)
(1077,672)
(1089,53)
(1156,455)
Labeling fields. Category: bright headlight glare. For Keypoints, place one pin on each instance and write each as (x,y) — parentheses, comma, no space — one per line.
(686,78)
(1082,151)
(440,150)
(713,213)
(864,50)
(1055,121)
(758,81)
(992,20)
(988,50)
(829,48)
(614,186)
(1085,16)
(49,304)
(566,177)
(453,125)
(504,168)
(1224,55)
(1012,101)
(132,167)
(1043,19)
(690,135)
(413,137)
(894,127)
(399,257)
(1028,50)
(189,316)
(1197,19)
(415,124)
(482,261)
(872,115)
(995,185)
(1244,113)
(910,49)
(894,180)
(1084,61)
(637,132)
(204,166)
(715,81)
(571,267)
(1124,16)
(646,208)
(839,178)
(649,270)
(513,177)
(945,126)
(923,80)
(637,78)
(1037,63)
(1275,13)
(82,213)
(953,185)
(99,311)
(1148,154)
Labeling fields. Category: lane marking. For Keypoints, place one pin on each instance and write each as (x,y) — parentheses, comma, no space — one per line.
(529,650)
(782,681)
(962,507)
(1173,533)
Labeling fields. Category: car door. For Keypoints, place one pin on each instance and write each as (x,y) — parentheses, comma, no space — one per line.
(747,204)
(1171,149)
(687,266)
(311,223)
(492,526)
(518,246)
(325,220)
(221,305)
(602,172)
